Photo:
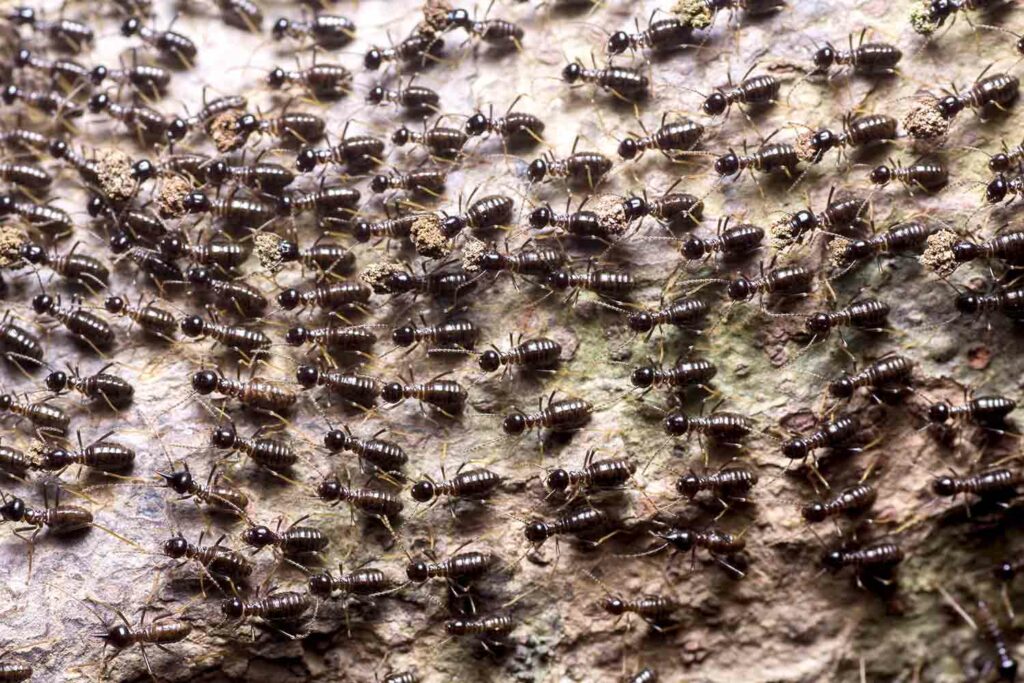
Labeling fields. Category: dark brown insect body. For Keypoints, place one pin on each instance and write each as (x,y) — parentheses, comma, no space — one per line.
(996,482)
(24,140)
(356,152)
(87,270)
(241,339)
(233,211)
(113,390)
(515,127)
(647,675)
(559,416)
(413,98)
(1008,300)
(889,372)
(150,318)
(1006,665)
(905,237)
(323,81)
(223,254)
(834,434)
(329,296)
(714,541)
(285,606)
(152,262)
(17,344)
(15,462)
(612,473)
(330,204)
(663,35)
(25,175)
(446,395)
(267,178)
(216,559)
(731,242)
(458,334)
(60,519)
(362,390)
(984,410)
(491,211)
(725,483)
(14,672)
(436,283)
(757,90)
(334,338)
(328,31)
(64,74)
(80,323)
(182,126)
(294,128)
(851,500)
(654,609)
(385,456)
(147,123)
(46,102)
(149,80)
(684,312)
(680,136)
(606,283)
(492,31)
(366,581)
(369,501)
(838,215)
(293,541)
(541,261)
(582,521)
(866,58)
(785,280)
(235,295)
(858,132)
(579,168)
(866,314)
(50,219)
(158,633)
(533,354)
(876,558)
(254,393)
(244,15)
(430,181)
(419,49)
(173,47)
(466,485)
(929,176)
(624,83)
(493,626)
(391,228)
(576,223)
(272,454)
(720,426)
(445,143)
(775,156)
(460,569)
(682,374)
(997,91)
(1007,247)
(218,496)
(66,34)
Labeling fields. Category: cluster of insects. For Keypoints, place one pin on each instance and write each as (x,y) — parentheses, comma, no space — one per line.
(302,271)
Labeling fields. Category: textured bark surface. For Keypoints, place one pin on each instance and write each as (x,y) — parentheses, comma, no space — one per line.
(785,621)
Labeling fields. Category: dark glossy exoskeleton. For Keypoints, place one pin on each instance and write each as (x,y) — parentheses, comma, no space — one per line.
(684,312)
(497,32)
(663,35)
(559,416)
(50,103)
(179,127)
(720,426)
(15,463)
(474,484)
(892,371)
(1007,300)
(654,609)
(329,296)
(541,261)
(533,354)
(27,176)
(488,212)
(682,374)
(595,475)
(579,168)
(148,124)
(322,81)
(331,205)
(328,31)
(586,520)
(785,280)
(853,500)
(459,569)
(576,223)
(81,268)
(414,99)
(647,675)
(1007,247)
(220,253)
(983,410)
(292,128)
(605,283)
(215,559)
(159,633)
(82,324)
(997,91)
(454,334)
(49,219)
(65,34)
(173,48)
(904,237)
(447,395)
(881,557)
(437,283)
(114,390)
(716,542)
(149,317)
(429,181)
(333,338)
(15,672)
(64,73)
(149,261)
(1001,186)
(362,390)
(149,80)
(233,211)
(1006,665)
(670,139)
(1010,159)
(242,339)
(369,501)
(285,606)
(731,243)
(60,519)
(441,142)
(622,82)
(858,132)
(385,456)
(293,541)
(366,581)
(728,482)
(18,345)
(418,50)
(106,456)
(255,393)
(235,295)
(324,256)
(866,314)
(270,453)
(833,434)
(24,140)
(356,152)
(757,90)
(218,496)
(489,628)
(866,58)
(515,127)
(261,176)
(775,156)
(929,176)
(998,483)
(390,228)
(191,166)
(244,15)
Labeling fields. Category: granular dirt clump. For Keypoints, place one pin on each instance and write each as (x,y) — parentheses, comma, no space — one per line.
(924,122)
(170,199)
(693,13)
(267,248)
(224,133)
(608,208)
(472,252)
(938,254)
(804,149)
(921,19)
(11,240)
(837,247)
(427,234)
(114,174)
(780,234)
(377,274)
